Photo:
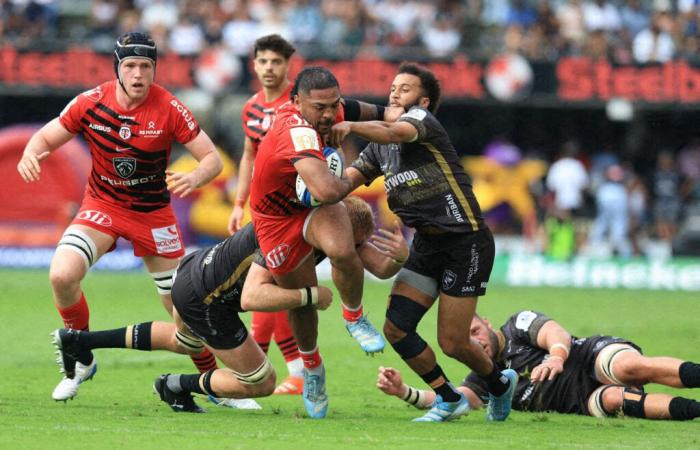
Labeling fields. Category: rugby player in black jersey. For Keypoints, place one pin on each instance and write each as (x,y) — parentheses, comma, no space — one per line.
(452,252)
(211,287)
(597,375)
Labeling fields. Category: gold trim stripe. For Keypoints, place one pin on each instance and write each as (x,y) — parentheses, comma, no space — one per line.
(442,162)
(242,267)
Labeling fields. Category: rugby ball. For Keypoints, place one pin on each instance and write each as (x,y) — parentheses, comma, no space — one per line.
(335,165)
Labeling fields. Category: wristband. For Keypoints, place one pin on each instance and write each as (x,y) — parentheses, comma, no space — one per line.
(561,346)
(398,262)
(309,296)
(239,202)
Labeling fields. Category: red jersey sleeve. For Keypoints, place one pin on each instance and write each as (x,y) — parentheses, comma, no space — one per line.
(301,142)
(340,116)
(72,113)
(185,126)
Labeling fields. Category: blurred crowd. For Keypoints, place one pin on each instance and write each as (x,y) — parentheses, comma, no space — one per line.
(598,204)
(623,30)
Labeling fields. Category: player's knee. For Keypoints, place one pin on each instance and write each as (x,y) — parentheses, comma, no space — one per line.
(191,345)
(605,401)
(259,382)
(404,314)
(63,278)
(453,345)
(391,332)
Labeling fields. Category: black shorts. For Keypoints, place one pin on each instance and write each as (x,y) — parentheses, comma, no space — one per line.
(460,263)
(217,323)
(569,392)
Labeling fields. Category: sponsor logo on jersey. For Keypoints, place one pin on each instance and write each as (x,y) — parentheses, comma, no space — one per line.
(98,127)
(151,132)
(97,217)
(408,177)
(186,114)
(277,256)
(125,132)
(448,279)
(453,209)
(124,166)
(166,239)
(524,320)
(415,113)
(304,139)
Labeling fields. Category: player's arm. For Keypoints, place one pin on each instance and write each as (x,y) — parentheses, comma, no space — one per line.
(245,174)
(50,137)
(384,256)
(557,341)
(389,381)
(260,293)
(375,131)
(321,183)
(210,165)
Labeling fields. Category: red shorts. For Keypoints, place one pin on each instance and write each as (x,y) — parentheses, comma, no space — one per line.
(154,233)
(282,241)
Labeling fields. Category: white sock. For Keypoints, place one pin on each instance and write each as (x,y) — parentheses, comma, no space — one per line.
(295,367)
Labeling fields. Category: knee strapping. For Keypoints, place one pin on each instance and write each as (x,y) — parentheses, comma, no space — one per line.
(192,344)
(633,402)
(606,360)
(164,281)
(409,346)
(79,242)
(404,313)
(257,376)
(596,408)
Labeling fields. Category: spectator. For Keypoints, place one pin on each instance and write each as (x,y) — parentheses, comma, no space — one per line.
(186,37)
(567,179)
(666,187)
(442,37)
(601,15)
(653,45)
(612,218)
(634,17)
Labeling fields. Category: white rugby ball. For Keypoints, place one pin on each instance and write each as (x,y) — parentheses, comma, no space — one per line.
(335,165)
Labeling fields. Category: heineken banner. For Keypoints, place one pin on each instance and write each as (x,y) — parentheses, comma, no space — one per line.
(537,270)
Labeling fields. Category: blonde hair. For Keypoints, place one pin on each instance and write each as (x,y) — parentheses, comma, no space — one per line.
(361,216)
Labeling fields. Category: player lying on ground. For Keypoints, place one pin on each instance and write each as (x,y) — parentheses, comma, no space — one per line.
(129,124)
(598,375)
(209,290)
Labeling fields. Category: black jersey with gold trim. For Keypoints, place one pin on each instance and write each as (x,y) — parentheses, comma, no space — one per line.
(425,183)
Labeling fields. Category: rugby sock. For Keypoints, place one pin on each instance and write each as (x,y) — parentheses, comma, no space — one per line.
(352,315)
(204,361)
(284,337)
(262,325)
(103,339)
(186,383)
(295,367)
(498,384)
(689,373)
(684,409)
(437,380)
(311,359)
(77,316)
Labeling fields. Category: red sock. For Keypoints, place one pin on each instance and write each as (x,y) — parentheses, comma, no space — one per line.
(352,315)
(284,337)
(77,315)
(311,359)
(262,325)
(205,361)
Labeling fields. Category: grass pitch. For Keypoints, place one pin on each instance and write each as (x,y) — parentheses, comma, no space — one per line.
(119,410)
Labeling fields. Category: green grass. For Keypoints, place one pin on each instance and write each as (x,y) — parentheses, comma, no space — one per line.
(118,409)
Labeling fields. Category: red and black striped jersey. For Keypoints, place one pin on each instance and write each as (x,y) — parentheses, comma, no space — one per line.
(130,149)
(258,115)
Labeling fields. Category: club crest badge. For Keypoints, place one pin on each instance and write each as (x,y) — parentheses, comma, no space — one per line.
(448,279)
(125,167)
(125,132)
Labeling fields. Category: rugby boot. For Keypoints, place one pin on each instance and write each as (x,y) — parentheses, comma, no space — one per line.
(499,408)
(67,388)
(315,397)
(290,386)
(366,335)
(235,403)
(178,402)
(66,342)
(443,411)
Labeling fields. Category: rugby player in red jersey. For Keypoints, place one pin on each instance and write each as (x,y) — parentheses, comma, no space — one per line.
(288,231)
(130,125)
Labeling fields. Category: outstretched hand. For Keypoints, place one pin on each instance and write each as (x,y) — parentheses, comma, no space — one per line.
(29,166)
(391,242)
(389,381)
(325,298)
(181,183)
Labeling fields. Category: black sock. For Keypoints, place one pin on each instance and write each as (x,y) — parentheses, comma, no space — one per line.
(689,373)
(103,339)
(683,409)
(85,356)
(497,383)
(141,336)
(187,383)
(447,392)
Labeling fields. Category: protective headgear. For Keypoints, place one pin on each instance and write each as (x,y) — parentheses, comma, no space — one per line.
(134,45)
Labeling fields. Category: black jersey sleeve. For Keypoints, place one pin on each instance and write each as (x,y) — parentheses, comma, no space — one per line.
(368,163)
(524,326)
(421,119)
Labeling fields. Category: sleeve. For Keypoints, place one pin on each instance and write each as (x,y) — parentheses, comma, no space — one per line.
(478,385)
(352,109)
(368,163)
(302,142)
(419,118)
(185,127)
(71,115)
(524,326)
(259,259)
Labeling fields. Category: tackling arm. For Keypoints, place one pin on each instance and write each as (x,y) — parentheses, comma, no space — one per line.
(260,293)
(50,137)
(386,254)
(375,131)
